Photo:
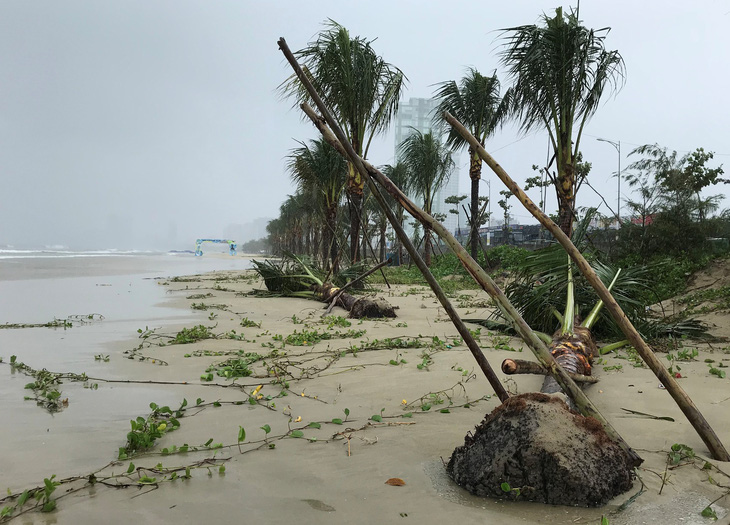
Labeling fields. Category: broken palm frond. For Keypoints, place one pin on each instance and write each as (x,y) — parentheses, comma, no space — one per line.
(291,276)
(520,366)
(675,329)
(339,141)
(540,290)
(356,272)
(689,409)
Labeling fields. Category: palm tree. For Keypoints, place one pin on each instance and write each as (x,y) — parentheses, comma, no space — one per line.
(476,102)
(429,165)
(398,174)
(361,90)
(560,71)
(317,167)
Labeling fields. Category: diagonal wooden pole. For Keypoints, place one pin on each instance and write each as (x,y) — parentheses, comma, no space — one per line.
(345,148)
(339,141)
(692,413)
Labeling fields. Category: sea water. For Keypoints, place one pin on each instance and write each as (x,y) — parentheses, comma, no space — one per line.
(37,287)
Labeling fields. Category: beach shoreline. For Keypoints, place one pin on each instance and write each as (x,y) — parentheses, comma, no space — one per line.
(347,394)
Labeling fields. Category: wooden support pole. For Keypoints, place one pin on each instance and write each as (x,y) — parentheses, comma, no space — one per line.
(689,409)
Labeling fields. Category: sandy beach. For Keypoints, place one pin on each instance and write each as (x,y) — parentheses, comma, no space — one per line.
(332,410)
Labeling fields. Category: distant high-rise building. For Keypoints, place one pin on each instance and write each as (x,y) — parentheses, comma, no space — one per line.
(418,113)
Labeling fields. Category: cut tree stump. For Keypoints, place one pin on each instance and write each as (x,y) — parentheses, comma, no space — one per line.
(535,444)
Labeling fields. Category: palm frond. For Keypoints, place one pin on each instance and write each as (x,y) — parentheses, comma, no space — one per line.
(360,88)
(429,164)
(475,101)
(560,71)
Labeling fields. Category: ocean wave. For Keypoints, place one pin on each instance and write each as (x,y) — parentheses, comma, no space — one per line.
(50,253)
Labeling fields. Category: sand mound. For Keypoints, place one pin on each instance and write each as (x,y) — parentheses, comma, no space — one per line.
(716,275)
(535,444)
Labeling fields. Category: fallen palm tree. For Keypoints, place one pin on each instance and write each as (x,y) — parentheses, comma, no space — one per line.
(293,277)
(690,410)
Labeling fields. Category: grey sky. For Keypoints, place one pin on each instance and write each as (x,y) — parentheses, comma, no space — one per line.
(148,124)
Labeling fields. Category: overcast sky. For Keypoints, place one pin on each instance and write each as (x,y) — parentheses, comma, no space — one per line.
(151,123)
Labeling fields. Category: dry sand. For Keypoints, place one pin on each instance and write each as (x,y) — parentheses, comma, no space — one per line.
(337,473)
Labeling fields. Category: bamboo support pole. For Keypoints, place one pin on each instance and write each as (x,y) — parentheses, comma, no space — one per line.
(345,148)
(339,141)
(519,366)
(689,409)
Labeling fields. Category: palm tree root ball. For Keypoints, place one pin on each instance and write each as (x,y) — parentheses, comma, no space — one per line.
(533,447)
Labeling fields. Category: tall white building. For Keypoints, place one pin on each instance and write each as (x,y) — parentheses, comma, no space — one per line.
(418,113)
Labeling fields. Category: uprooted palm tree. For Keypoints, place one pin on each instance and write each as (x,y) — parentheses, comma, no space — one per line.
(477,103)
(294,276)
(362,91)
(320,170)
(429,165)
(560,71)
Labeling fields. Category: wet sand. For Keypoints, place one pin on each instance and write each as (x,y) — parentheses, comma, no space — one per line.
(335,473)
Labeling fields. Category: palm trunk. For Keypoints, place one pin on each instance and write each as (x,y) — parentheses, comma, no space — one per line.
(364,240)
(427,245)
(324,253)
(383,228)
(574,352)
(331,245)
(400,244)
(566,189)
(475,170)
(355,207)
